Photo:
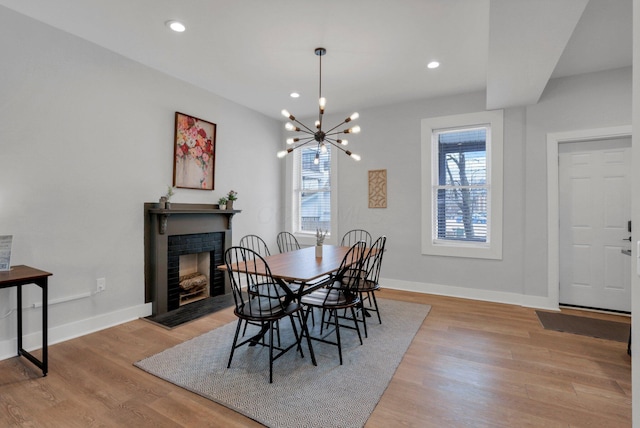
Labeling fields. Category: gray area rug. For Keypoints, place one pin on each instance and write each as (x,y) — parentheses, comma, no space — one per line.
(301,395)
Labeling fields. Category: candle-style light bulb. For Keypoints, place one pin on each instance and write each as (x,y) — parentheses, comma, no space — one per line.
(323,103)
(353,130)
(352,155)
(283,153)
(323,148)
(316,161)
(343,142)
(354,116)
(288,115)
(292,140)
(291,127)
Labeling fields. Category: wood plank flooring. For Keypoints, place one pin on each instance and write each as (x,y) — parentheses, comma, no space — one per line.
(471,364)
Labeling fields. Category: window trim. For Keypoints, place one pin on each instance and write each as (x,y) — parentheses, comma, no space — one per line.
(291,215)
(432,245)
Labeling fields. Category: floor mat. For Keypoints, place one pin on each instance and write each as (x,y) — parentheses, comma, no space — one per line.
(603,329)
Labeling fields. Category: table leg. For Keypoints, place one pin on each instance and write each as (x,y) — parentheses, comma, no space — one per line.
(44,363)
(19,314)
(45,336)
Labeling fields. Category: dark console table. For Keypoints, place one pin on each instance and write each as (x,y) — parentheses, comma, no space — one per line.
(17,277)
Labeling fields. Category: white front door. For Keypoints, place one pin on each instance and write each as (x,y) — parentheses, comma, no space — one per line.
(595,207)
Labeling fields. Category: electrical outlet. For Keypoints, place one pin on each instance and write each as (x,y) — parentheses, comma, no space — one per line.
(101,285)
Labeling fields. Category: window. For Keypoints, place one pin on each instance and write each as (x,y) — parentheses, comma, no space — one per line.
(460,194)
(462,185)
(311,199)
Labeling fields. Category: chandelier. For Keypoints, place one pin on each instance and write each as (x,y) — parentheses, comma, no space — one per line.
(319,136)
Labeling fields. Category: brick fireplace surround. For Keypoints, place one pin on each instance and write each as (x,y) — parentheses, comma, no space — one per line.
(183,229)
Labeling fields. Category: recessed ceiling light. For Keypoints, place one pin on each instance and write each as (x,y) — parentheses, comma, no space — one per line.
(294,95)
(176,26)
(433,64)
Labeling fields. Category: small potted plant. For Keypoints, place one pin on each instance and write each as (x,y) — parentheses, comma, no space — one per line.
(231,196)
(164,200)
(320,235)
(222,203)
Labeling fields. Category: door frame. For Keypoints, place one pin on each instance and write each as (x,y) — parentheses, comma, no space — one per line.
(553,191)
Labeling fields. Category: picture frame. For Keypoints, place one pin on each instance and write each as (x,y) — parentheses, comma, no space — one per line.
(194,153)
(378,188)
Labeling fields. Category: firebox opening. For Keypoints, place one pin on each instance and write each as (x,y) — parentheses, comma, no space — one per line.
(195,278)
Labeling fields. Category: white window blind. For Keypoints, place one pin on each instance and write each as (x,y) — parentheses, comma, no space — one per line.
(461,188)
(312,194)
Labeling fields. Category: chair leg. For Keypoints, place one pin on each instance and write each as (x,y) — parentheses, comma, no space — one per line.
(305,331)
(270,351)
(375,303)
(337,326)
(235,340)
(295,333)
(364,317)
(355,321)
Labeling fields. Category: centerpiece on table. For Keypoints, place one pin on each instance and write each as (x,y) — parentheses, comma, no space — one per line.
(231,196)
(320,235)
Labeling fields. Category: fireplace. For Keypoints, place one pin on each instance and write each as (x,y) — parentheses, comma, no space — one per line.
(185,242)
(191,267)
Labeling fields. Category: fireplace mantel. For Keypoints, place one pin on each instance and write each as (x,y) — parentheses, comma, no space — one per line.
(182,209)
(180,219)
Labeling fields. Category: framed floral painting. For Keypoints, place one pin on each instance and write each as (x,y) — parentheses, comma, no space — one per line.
(194,153)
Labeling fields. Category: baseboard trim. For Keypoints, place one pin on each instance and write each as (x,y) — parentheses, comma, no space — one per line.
(61,333)
(538,302)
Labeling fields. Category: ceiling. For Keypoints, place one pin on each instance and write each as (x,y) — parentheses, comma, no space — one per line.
(256,52)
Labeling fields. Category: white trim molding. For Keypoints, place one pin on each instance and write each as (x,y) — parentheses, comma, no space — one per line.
(538,302)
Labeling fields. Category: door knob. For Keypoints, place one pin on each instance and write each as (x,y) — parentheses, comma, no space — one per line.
(627,239)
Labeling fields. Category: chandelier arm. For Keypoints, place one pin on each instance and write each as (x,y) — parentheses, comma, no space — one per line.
(334,133)
(337,126)
(304,143)
(308,130)
(336,145)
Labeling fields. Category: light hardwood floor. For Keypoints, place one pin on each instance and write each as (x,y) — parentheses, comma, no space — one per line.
(471,364)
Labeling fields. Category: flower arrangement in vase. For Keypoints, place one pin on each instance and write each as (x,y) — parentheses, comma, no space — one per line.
(320,235)
(164,200)
(231,196)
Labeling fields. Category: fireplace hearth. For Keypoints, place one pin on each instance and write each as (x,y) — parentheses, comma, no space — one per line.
(171,238)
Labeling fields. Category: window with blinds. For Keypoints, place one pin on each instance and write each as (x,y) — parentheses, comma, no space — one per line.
(313,191)
(461,191)
(462,185)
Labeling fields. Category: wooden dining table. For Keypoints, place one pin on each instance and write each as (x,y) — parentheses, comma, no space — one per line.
(301,266)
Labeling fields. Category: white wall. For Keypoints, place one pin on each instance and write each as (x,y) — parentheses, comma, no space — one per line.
(86,137)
